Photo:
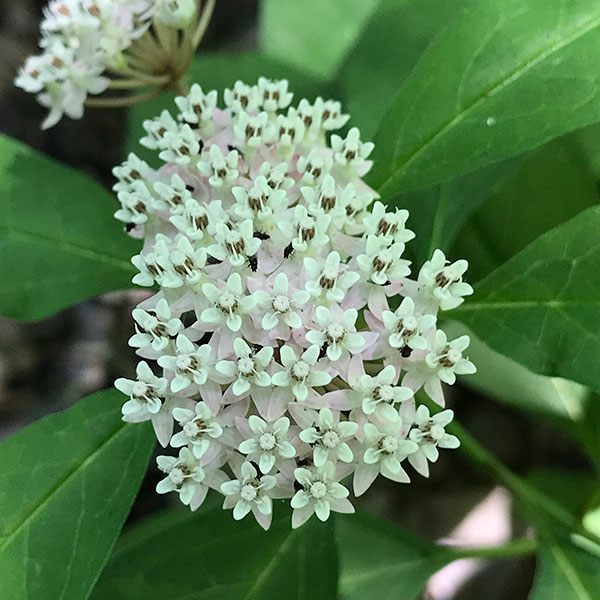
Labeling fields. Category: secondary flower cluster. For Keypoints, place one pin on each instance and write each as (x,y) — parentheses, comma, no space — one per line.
(290,336)
(84,42)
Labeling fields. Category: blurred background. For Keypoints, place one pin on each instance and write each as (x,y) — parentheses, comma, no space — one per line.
(49,365)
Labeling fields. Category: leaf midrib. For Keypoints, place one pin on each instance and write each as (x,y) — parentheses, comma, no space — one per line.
(69,247)
(521,304)
(512,77)
(570,572)
(58,486)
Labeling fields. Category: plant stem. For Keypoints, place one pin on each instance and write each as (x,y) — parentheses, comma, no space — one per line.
(119,102)
(203,23)
(514,548)
(527,494)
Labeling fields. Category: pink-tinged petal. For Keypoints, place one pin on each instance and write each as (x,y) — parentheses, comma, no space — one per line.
(198,497)
(342,505)
(264,520)
(355,369)
(211,394)
(377,302)
(163,427)
(364,476)
(419,463)
(301,515)
(433,388)
(339,400)
(271,404)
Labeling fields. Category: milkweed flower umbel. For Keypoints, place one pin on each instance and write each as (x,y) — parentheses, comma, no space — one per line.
(88,46)
(291,337)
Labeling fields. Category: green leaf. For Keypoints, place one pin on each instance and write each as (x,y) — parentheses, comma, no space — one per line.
(513,384)
(218,71)
(208,555)
(312,35)
(59,243)
(66,485)
(378,560)
(542,307)
(552,185)
(437,213)
(390,45)
(503,78)
(564,571)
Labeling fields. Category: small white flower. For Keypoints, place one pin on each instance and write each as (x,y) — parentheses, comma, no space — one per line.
(249,493)
(446,358)
(249,368)
(387,449)
(274,95)
(298,373)
(260,202)
(235,242)
(197,107)
(133,169)
(289,129)
(331,116)
(146,393)
(382,263)
(314,166)
(172,196)
(253,130)
(229,305)
(324,280)
(185,476)
(191,364)
(193,220)
(276,175)
(175,13)
(269,442)
(319,494)
(328,438)
(155,330)
(242,97)
(306,232)
(221,170)
(337,333)
(326,199)
(150,263)
(157,129)
(430,435)
(199,429)
(136,204)
(184,264)
(379,394)
(280,305)
(406,328)
(180,146)
(391,226)
(350,151)
(442,282)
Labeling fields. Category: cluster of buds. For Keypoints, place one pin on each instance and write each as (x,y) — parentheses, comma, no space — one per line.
(290,338)
(89,46)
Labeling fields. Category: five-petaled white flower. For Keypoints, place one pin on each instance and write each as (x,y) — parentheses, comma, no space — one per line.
(269,442)
(328,437)
(191,364)
(146,393)
(279,304)
(320,494)
(228,305)
(338,332)
(199,428)
(379,394)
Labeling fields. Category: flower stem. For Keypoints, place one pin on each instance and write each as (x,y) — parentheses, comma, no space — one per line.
(121,101)
(517,547)
(203,23)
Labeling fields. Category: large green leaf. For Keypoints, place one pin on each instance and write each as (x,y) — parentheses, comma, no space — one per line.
(218,71)
(551,186)
(313,35)
(66,485)
(389,47)
(208,555)
(564,571)
(513,384)
(437,213)
(503,78)
(378,560)
(542,307)
(59,242)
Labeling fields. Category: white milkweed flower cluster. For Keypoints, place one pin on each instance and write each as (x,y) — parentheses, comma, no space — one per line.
(290,337)
(86,42)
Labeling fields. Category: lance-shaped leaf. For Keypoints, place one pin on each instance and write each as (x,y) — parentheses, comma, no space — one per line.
(542,307)
(59,242)
(502,78)
(66,485)
(209,555)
